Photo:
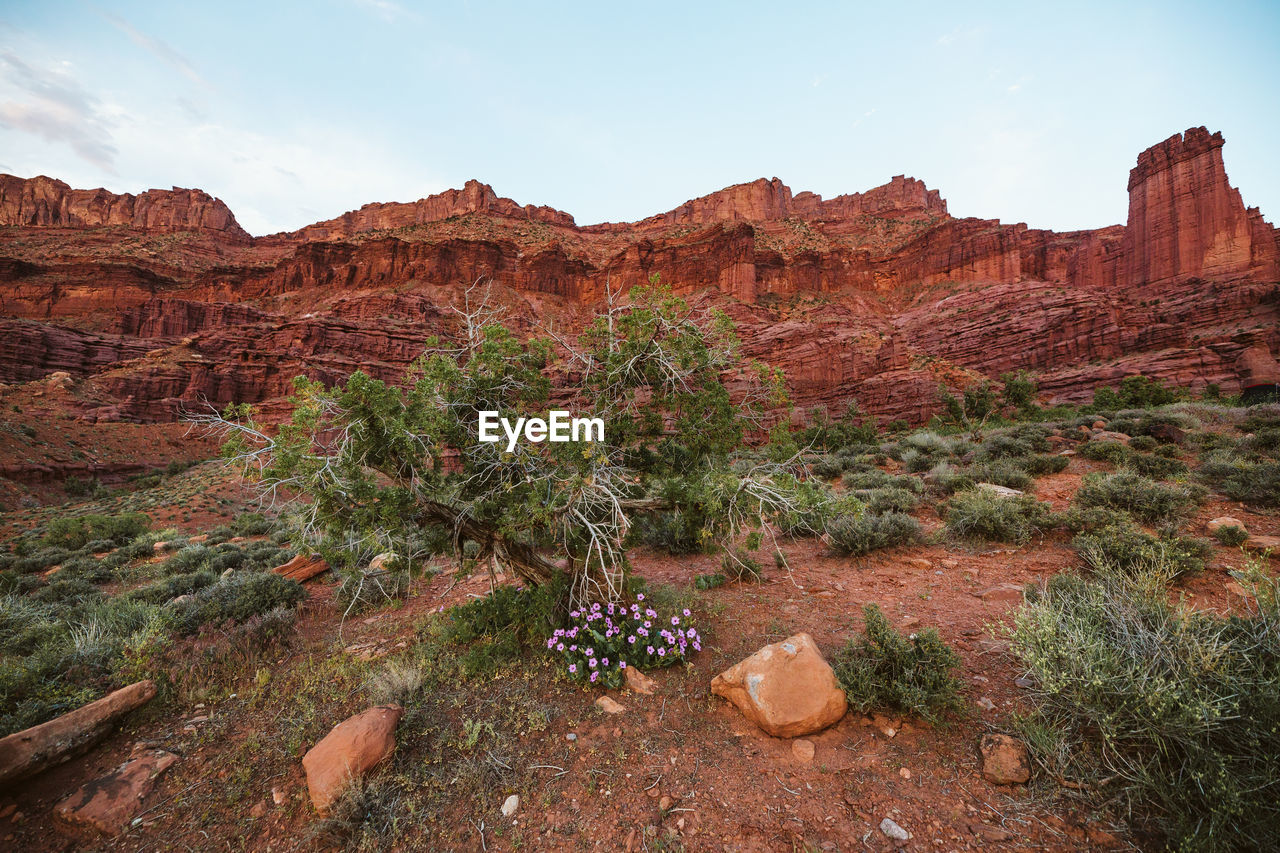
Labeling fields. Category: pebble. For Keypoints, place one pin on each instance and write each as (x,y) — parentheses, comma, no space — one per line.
(571,736)
(510,805)
(891,829)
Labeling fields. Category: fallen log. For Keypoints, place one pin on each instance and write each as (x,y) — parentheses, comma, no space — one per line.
(302,568)
(38,748)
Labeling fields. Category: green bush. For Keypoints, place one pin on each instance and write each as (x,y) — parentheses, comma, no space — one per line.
(814,506)
(1135,392)
(1157,467)
(1045,463)
(889,499)
(1256,484)
(1002,472)
(1144,443)
(1231,535)
(236,598)
(1140,496)
(74,533)
(167,589)
(884,669)
(851,536)
(1179,708)
(1114,452)
(948,479)
(674,532)
(1124,547)
(981,514)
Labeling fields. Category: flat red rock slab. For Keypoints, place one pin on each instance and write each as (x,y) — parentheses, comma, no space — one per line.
(109,804)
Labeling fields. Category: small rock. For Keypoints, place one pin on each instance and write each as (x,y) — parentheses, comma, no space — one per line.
(949,563)
(1002,592)
(278,796)
(1263,544)
(638,682)
(918,563)
(258,810)
(604,703)
(510,805)
(665,803)
(571,737)
(1023,681)
(986,704)
(1111,436)
(803,749)
(1099,424)
(1224,521)
(1005,760)
(999,491)
(891,829)
(904,773)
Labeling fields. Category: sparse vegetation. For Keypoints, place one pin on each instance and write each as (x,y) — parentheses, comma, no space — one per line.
(855,535)
(984,515)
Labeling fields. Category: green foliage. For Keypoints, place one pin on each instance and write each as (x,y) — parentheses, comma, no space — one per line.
(851,428)
(813,507)
(1180,708)
(1143,498)
(498,630)
(884,669)
(414,477)
(1019,391)
(1231,535)
(1124,547)
(236,598)
(73,533)
(1134,392)
(852,536)
(984,515)
(890,499)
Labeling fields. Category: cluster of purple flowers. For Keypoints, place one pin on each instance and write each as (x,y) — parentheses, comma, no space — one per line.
(603,640)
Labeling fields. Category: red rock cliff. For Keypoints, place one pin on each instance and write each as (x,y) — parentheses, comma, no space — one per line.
(1186,220)
(45,202)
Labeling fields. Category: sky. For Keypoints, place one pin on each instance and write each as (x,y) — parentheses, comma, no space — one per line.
(295,112)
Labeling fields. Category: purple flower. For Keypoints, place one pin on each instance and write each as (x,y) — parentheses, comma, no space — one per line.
(650,649)
(697,647)
(632,639)
(662,653)
(675,620)
(594,676)
(559,647)
(592,663)
(686,612)
(604,661)
(573,614)
(573,667)
(574,647)
(647,623)
(551,643)
(622,664)
(591,652)
(640,597)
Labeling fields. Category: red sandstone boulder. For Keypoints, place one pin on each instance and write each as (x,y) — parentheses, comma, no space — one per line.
(786,688)
(353,748)
(302,568)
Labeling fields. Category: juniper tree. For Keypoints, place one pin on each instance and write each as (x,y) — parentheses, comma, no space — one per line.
(369,466)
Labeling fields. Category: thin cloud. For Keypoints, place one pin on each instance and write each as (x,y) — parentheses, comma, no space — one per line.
(52,104)
(385,9)
(162,50)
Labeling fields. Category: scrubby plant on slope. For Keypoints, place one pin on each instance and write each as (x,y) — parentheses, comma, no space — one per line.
(984,515)
(1145,499)
(857,534)
(1171,712)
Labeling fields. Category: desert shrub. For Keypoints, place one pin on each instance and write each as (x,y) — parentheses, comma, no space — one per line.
(74,533)
(1045,463)
(889,499)
(874,478)
(397,682)
(1124,547)
(1231,535)
(509,622)
(1078,518)
(674,532)
(67,591)
(1145,443)
(42,559)
(360,590)
(851,536)
(1158,467)
(236,598)
(948,479)
(1257,484)
(167,589)
(709,581)
(1002,472)
(252,524)
(1140,496)
(192,558)
(984,515)
(1004,446)
(1179,708)
(87,568)
(852,428)
(1104,451)
(601,641)
(1134,392)
(884,669)
(1019,391)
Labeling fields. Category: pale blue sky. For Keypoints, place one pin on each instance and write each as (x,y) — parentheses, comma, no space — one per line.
(296,112)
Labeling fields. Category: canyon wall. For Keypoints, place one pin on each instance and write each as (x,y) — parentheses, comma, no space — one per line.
(878,296)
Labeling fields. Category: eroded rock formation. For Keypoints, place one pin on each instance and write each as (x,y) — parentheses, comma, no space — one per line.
(879,296)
